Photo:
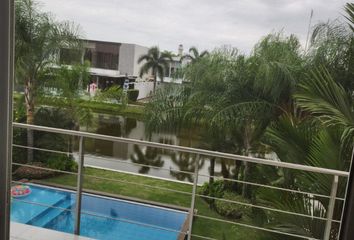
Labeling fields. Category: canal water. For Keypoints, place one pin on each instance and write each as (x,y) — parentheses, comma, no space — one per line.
(144,160)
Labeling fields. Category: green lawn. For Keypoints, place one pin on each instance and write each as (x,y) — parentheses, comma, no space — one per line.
(131,110)
(204,227)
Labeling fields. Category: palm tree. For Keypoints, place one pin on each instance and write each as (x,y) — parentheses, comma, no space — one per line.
(39,38)
(303,140)
(258,90)
(194,54)
(188,107)
(155,61)
(332,105)
(227,100)
(332,47)
(321,136)
(69,82)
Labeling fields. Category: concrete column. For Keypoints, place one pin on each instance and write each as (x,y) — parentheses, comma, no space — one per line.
(6,82)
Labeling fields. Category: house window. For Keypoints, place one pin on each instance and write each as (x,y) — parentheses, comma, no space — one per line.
(107,60)
(69,56)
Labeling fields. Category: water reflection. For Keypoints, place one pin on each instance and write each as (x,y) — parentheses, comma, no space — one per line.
(114,155)
(149,157)
(186,165)
(105,127)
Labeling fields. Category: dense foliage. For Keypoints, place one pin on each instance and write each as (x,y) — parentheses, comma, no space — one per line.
(279,99)
(132,95)
(39,39)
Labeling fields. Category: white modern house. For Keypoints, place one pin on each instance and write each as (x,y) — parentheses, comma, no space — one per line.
(177,63)
(111,62)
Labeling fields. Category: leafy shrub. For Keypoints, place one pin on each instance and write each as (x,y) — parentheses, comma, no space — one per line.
(60,118)
(214,190)
(133,95)
(19,155)
(26,172)
(61,162)
(58,163)
(113,94)
(232,210)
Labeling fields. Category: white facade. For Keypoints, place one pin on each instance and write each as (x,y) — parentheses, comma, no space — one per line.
(145,89)
(128,55)
(176,64)
(111,62)
(128,58)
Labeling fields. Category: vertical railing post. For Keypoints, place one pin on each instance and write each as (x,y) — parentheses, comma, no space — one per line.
(330,209)
(79,186)
(194,191)
(346,231)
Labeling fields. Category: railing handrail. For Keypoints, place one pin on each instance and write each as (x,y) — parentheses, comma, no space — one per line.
(185,149)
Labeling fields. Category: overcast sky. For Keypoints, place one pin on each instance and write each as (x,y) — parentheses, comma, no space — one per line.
(203,23)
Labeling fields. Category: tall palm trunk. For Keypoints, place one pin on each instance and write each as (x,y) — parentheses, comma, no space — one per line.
(155,80)
(246,187)
(247,169)
(30,119)
(224,171)
(238,166)
(212,171)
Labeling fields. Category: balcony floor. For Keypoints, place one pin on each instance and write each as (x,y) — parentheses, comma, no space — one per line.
(26,232)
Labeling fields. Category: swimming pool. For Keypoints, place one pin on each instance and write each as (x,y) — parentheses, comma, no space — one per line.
(101,218)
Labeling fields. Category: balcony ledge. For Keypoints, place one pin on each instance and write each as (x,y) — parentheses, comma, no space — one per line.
(19,231)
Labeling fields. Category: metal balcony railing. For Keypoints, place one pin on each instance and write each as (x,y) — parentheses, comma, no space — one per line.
(200,153)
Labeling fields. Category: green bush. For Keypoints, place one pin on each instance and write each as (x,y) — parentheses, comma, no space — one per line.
(133,95)
(113,94)
(28,172)
(19,155)
(214,190)
(61,162)
(60,118)
(233,210)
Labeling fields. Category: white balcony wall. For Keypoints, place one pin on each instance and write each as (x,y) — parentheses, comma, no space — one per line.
(145,88)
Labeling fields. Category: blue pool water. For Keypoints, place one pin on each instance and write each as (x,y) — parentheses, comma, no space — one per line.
(116,220)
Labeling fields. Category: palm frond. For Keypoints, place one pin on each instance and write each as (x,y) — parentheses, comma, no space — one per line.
(326,99)
(193,51)
(144,58)
(349,9)
(187,56)
(149,65)
(204,53)
(166,109)
(296,203)
(243,111)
